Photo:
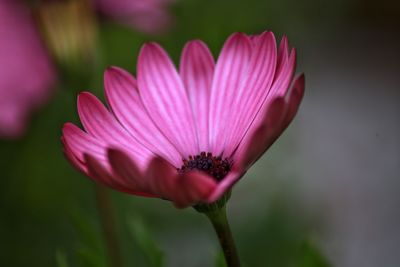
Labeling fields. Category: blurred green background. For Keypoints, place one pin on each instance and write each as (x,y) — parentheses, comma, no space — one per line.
(325,194)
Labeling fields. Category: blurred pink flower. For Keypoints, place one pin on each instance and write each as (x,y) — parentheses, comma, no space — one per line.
(187,136)
(149,16)
(26,74)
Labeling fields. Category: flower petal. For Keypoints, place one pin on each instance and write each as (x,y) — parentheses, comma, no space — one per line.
(182,189)
(284,78)
(161,178)
(196,187)
(283,55)
(124,166)
(155,181)
(230,71)
(86,151)
(261,138)
(196,69)
(79,143)
(79,165)
(278,89)
(224,185)
(294,97)
(252,93)
(124,100)
(98,122)
(275,120)
(165,98)
(99,173)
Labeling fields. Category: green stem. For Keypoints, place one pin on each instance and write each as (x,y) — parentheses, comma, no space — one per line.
(107,222)
(221,226)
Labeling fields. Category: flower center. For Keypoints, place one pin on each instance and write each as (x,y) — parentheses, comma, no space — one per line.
(206,162)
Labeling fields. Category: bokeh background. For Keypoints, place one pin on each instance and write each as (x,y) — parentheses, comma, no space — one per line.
(326,193)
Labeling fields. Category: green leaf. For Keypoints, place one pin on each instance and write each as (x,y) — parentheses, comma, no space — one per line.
(140,233)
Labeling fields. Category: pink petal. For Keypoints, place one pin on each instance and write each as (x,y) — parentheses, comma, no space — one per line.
(196,70)
(165,99)
(161,178)
(284,79)
(283,55)
(124,100)
(99,173)
(260,138)
(123,166)
(224,185)
(254,90)
(294,97)
(182,189)
(98,122)
(88,155)
(275,120)
(155,181)
(79,165)
(195,187)
(79,143)
(279,89)
(230,71)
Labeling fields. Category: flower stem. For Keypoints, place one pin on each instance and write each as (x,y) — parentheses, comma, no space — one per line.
(221,226)
(107,222)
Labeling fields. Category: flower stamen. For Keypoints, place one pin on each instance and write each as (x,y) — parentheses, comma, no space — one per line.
(206,162)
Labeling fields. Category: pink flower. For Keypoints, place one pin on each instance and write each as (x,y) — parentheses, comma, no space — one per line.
(149,16)
(187,136)
(26,74)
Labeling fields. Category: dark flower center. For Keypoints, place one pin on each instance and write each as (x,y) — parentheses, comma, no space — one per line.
(206,162)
